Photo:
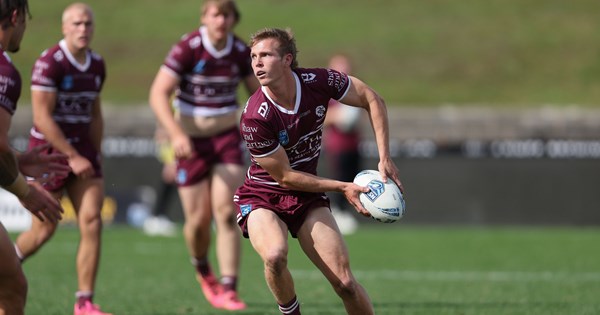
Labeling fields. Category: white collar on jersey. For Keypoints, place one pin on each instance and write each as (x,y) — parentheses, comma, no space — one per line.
(72,60)
(6,55)
(298,97)
(211,48)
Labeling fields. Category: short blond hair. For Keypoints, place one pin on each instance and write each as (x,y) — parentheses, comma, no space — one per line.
(285,38)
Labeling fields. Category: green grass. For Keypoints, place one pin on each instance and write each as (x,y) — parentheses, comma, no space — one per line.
(405,269)
(493,52)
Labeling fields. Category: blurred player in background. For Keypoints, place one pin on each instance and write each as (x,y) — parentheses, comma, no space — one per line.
(282,194)
(341,139)
(204,69)
(65,95)
(158,223)
(13,285)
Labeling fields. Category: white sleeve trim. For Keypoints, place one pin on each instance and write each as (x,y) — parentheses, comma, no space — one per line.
(268,153)
(170,71)
(347,89)
(43,88)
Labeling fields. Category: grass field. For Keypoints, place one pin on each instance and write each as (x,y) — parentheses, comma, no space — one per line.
(405,269)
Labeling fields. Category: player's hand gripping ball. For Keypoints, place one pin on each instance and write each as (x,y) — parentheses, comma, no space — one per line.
(384,201)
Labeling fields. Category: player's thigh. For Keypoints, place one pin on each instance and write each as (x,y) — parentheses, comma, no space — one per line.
(87,196)
(195,199)
(226,178)
(10,267)
(322,242)
(268,234)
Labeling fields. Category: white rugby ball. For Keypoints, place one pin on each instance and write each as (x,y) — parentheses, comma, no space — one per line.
(384,201)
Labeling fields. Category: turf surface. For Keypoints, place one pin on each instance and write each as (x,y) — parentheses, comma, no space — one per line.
(405,269)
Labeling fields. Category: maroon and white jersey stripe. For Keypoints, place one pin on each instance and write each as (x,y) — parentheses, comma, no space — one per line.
(208,77)
(265,125)
(77,86)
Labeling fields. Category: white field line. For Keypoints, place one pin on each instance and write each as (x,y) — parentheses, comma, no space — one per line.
(498,276)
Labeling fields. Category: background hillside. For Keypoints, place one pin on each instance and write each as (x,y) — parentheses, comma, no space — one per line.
(494,52)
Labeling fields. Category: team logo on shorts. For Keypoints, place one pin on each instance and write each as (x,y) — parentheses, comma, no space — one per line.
(283,137)
(320,111)
(245,209)
(181,176)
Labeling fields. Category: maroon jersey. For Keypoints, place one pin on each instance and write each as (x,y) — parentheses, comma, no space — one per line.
(265,125)
(208,77)
(77,87)
(10,84)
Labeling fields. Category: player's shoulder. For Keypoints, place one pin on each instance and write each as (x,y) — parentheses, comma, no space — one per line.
(323,79)
(53,54)
(191,39)
(312,75)
(240,45)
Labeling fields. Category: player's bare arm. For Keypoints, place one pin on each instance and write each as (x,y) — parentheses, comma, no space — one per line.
(163,87)
(43,104)
(278,166)
(97,125)
(361,95)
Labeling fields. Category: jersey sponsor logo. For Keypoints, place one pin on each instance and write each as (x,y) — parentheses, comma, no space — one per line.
(259,144)
(245,209)
(5,82)
(283,137)
(199,67)
(249,137)
(263,110)
(320,111)
(336,80)
(308,77)
(249,129)
(67,83)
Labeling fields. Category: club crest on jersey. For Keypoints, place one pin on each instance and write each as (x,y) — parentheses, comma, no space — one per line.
(283,137)
(320,111)
(199,67)
(308,77)
(67,83)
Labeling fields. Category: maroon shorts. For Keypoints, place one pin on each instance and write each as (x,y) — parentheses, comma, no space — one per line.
(291,208)
(84,148)
(224,148)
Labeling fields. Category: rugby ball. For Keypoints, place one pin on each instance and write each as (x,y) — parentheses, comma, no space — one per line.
(384,201)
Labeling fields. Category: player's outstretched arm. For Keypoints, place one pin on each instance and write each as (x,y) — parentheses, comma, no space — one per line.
(361,95)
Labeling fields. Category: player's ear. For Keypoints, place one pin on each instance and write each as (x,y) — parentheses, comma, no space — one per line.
(14,17)
(288,58)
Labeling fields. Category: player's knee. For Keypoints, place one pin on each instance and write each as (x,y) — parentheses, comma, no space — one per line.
(346,287)
(45,233)
(275,261)
(92,223)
